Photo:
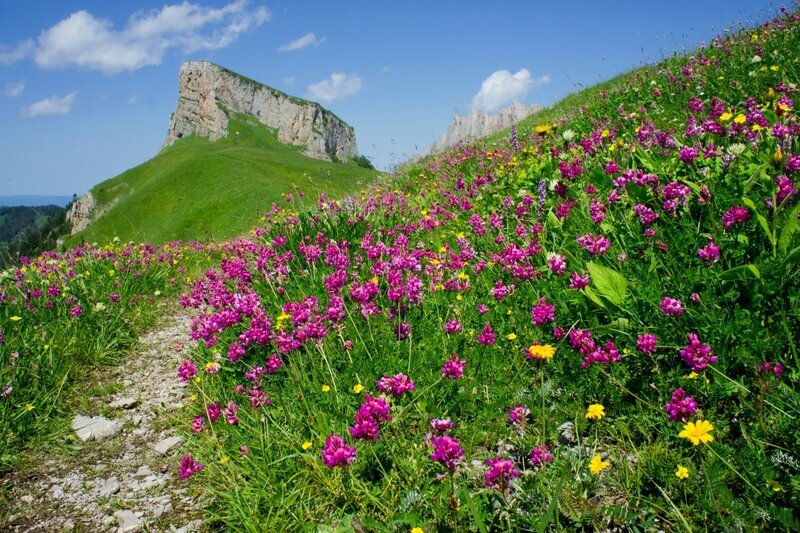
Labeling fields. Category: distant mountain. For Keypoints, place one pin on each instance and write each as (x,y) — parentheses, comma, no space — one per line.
(479,124)
(233,148)
(29,231)
(33,200)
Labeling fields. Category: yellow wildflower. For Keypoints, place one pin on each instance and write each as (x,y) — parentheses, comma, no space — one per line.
(29,407)
(605,133)
(682,472)
(224,459)
(541,351)
(697,432)
(774,67)
(740,119)
(306,445)
(597,465)
(595,411)
(417,530)
(326,388)
(725,117)
(511,336)
(357,388)
(16,318)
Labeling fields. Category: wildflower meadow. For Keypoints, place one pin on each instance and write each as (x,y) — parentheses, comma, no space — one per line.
(591,321)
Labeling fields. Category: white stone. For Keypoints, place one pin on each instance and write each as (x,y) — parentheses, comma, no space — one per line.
(143,471)
(124,403)
(109,487)
(95,427)
(167,444)
(128,521)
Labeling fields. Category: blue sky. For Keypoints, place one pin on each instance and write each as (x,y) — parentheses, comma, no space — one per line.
(87,87)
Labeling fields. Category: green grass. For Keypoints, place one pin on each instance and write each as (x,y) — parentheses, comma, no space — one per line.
(196,189)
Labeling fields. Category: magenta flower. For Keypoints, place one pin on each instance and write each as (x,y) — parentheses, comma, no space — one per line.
(214,411)
(396,385)
(646,343)
(594,244)
(671,307)
(543,313)
(368,418)
(76,311)
(501,472)
(688,154)
(453,368)
(189,467)
(337,453)
(198,424)
(518,415)
(482,309)
(452,327)
(440,425)
(231,416)
(696,354)
(540,455)
(447,452)
(735,215)
(578,282)
(557,264)
(486,337)
(709,253)
(766,368)
(681,406)
(186,370)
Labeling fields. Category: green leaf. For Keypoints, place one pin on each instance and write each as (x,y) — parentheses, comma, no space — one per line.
(593,297)
(791,227)
(742,272)
(608,282)
(761,220)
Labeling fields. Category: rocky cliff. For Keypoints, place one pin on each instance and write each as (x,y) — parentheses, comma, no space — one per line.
(80,212)
(206,92)
(478,124)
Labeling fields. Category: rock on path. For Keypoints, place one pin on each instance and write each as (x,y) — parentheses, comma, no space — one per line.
(124,477)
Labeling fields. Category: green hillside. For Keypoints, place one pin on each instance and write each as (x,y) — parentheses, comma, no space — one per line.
(197,189)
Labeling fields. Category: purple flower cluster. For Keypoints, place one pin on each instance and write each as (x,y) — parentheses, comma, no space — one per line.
(594,244)
(189,467)
(486,337)
(735,215)
(396,385)
(501,472)
(540,455)
(696,354)
(681,406)
(543,313)
(186,370)
(368,418)
(646,343)
(518,415)
(671,307)
(453,368)
(447,452)
(710,252)
(337,453)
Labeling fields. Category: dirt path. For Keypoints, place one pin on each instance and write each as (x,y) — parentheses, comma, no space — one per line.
(126,480)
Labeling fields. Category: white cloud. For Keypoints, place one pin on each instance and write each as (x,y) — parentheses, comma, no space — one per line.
(288,80)
(308,39)
(12,54)
(50,106)
(133,99)
(502,88)
(12,90)
(337,86)
(84,40)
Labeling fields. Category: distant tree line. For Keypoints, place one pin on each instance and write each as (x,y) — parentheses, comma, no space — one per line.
(29,231)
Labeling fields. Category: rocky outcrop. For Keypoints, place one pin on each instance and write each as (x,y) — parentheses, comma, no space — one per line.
(79,214)
(478,124)
(208,92)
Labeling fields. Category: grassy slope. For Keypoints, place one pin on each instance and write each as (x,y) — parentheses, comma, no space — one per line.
(196,189)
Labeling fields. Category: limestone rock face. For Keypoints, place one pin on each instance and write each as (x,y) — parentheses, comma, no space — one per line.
(206,91)
(79,214)
(479,124)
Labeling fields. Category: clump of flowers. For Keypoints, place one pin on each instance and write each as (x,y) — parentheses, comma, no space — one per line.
(710,252)
(681,406)
(396,385)
(671,307)
(337,453)
(447,452)
(368,418)
(696,354)
(486,337)
(189,467)
(646,343)
(186,370)
(453,368)
(543,313)
(735,215)
(540,455)
(501,472)
(518,416)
